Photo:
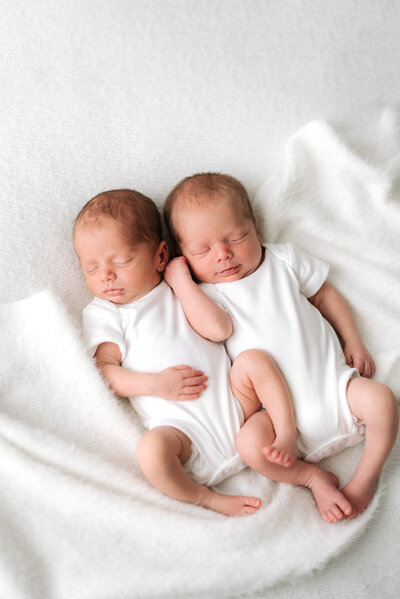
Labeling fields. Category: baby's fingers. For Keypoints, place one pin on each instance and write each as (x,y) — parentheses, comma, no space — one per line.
(369,368)
(197,379)
(190,393)
(193,388)
(191,376)
(365,367)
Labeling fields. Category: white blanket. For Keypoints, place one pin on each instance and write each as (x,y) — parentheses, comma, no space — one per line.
(98,95)
(77,518)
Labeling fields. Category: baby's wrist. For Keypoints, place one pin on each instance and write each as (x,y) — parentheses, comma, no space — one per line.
(155,384)
(354,340)
(183,285)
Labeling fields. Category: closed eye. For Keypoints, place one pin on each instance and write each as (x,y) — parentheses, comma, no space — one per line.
(90,270)
(122,263)
(201,252)
(238,238)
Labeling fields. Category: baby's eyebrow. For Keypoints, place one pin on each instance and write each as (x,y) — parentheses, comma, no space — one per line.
(198,248)
(87,262)
(238,233)
(191,245)
(120,258)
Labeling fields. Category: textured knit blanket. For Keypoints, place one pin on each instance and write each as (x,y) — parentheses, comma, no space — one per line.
(78,520)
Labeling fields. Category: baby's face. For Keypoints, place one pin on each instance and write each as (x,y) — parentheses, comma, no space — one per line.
(116,269)
(220,244)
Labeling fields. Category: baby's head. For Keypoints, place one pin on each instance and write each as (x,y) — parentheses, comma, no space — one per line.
(118,239)
(210,218)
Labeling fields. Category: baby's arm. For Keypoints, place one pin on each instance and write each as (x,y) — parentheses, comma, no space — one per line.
(337,312)
(177,383)
(205,316)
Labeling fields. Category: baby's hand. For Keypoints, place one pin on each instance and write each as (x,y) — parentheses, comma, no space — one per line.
(180,383)
(177,272)
(358,356)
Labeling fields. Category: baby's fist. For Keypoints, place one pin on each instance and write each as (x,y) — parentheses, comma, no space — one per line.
(357,356)
(177,272)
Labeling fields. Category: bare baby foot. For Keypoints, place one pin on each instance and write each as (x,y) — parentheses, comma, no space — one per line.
(332,503)
(360,494)
(231,505)
(283,453)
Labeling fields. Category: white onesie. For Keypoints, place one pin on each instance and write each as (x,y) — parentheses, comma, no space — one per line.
(270,311)
(153,334)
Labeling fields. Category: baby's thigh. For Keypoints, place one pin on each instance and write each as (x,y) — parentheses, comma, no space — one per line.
(163,445)
(250,374)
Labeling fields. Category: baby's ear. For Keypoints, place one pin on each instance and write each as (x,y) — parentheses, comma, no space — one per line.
(162,256)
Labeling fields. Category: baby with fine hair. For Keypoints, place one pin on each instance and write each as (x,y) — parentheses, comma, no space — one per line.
(275,297)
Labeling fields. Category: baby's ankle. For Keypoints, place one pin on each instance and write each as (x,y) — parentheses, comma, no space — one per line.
(204,497)
(286,441)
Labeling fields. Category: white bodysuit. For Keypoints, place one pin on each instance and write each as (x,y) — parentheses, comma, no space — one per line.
(270,311)
(152,334)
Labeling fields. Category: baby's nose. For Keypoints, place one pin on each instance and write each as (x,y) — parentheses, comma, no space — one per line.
(107,274)
(223,251)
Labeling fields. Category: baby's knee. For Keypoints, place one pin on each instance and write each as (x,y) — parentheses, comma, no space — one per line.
(249,357)
(241,443)
(386,400)
(250,361)
(143,448)
(391,404)
(253,437)
(246,450)
(250,454)
(150,448)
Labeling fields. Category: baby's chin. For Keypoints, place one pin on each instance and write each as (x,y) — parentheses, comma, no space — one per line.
(228,278)
(232,275)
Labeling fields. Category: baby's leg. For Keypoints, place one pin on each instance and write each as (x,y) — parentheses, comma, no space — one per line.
(374,404)
(258,433)
(162,451)
(256,380)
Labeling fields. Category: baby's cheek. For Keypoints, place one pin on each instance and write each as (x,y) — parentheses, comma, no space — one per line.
(205,275)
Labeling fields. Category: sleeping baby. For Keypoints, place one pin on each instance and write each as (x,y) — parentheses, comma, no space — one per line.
(275,298)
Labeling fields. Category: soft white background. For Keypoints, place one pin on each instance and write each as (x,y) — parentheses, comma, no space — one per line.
(119,93)
(102,94)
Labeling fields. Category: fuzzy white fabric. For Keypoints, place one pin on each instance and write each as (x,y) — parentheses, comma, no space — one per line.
(78,519)
(97,95)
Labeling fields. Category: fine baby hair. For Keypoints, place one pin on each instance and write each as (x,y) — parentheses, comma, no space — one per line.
(137,214)
(201,187)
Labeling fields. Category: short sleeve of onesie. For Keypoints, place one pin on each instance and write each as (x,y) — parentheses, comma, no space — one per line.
(309,271)
(101,324)
(211,290)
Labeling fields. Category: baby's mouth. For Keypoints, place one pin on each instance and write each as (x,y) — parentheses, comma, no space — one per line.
(113,292)
(232,270)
